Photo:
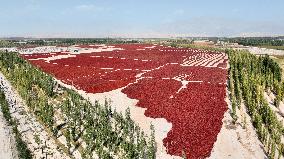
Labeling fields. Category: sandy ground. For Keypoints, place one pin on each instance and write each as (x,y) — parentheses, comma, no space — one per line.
(48,59)
(28,126)
(260,51)
(235,141)
(263,51)
(101,48)
(71,49)
(8,148)
(43,49)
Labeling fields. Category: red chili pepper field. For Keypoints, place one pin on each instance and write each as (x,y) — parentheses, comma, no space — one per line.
(187,87)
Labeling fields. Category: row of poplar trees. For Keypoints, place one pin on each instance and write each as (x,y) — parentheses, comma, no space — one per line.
(104,131)
(249,77)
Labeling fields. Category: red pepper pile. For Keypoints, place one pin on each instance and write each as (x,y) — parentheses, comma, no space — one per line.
(196,112)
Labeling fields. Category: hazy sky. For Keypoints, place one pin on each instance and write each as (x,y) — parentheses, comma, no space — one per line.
(141,18)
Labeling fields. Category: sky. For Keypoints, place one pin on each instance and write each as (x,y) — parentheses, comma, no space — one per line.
(141,18)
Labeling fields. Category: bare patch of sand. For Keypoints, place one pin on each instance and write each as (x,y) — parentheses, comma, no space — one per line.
(48,59)
(8,148)
(237,141)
